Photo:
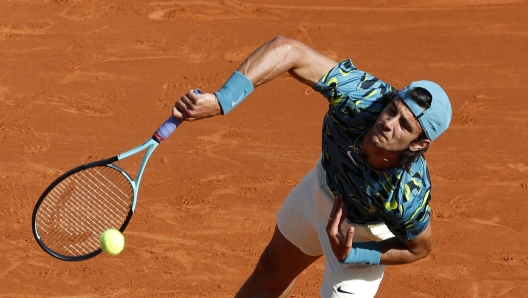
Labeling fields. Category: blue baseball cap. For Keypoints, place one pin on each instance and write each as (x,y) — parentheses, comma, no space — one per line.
(434,120)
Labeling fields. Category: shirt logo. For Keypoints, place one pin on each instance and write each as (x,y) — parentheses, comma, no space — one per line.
(343,291)
(349,155)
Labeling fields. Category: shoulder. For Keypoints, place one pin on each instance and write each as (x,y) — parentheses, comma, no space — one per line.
(415,180)
(409,212)
(346,80)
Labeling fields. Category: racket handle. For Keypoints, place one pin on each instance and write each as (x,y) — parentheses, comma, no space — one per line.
(170,125)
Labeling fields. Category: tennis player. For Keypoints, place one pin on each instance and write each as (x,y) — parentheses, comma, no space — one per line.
(365,204)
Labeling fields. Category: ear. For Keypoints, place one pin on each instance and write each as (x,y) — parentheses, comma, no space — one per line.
(419,145)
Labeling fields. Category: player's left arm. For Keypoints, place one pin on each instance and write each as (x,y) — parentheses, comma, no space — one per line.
(394,251)
(391,251)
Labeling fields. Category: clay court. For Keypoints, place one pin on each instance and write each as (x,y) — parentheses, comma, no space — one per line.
(82,80)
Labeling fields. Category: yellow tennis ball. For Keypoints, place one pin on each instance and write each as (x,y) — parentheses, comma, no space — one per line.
(112,242)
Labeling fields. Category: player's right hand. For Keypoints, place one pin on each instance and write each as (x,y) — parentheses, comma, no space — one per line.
(192,106)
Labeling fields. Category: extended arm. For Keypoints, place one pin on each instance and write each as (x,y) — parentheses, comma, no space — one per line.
(269,61)
(391,251)
(281,55)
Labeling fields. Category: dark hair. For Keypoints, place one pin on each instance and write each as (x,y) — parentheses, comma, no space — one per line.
(423,98)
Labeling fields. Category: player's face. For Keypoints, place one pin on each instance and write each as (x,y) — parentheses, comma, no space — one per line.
(396,128)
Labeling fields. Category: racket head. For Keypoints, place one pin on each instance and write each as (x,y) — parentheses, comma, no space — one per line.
(73,212)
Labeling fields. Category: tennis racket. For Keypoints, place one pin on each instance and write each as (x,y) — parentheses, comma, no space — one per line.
(80,205)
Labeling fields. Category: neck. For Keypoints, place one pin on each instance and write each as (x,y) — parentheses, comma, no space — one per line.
(377,158)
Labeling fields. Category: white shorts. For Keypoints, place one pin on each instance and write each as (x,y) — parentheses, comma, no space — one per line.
(302,219)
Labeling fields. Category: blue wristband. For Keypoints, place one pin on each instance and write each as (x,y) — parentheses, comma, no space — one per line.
(234,91)
(367,253)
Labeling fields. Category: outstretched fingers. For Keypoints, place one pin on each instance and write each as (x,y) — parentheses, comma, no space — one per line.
(337,215)
(341,243)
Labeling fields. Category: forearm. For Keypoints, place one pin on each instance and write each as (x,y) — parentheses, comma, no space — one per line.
(394,252)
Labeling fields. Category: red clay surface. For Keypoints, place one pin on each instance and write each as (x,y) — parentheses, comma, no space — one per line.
(82,80)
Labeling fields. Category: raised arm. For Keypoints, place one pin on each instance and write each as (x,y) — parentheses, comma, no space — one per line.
(281,55)
(269,61)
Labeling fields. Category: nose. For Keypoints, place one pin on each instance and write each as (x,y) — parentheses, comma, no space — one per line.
(389,123)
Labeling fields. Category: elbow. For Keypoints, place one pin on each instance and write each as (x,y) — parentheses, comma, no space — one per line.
(424,252)
(282,41)
(286,47)
(423,245)
(416,255)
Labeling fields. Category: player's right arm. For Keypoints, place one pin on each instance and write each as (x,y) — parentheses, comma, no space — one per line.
(269,61)
(281,55)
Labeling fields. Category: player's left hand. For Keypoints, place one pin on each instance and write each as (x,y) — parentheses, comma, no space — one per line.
(192,106)
(341,243)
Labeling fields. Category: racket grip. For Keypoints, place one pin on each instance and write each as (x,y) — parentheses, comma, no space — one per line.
(169,126)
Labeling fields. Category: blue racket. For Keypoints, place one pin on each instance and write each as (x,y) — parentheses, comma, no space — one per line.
(73,212)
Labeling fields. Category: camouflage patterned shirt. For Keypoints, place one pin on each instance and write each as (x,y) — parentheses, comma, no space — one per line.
(398,197)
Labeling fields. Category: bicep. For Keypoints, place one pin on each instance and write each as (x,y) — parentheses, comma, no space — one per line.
(311,65)
(281,55)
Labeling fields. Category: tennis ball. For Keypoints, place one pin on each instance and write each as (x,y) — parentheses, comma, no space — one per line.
(112,242)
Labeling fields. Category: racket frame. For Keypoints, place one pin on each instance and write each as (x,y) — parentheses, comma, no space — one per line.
(163,132)
(150,145)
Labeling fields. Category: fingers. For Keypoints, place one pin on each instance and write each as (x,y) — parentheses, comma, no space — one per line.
(333,222)
(339,210)
(349,237)
(183,108)
(337,205)
(192,106)
(344,213)
(176,113)
(341,244)
(338,213)
(333,227)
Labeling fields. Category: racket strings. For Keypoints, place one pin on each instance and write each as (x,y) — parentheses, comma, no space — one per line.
(80,208)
